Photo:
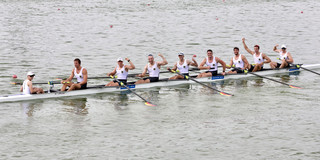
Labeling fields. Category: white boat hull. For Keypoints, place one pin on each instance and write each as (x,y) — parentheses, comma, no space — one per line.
(102,89)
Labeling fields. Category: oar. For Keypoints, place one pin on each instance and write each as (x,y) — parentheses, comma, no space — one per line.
(146,102)
(129,75)
(187,77)
(50,82)
(299,66)
(292,86)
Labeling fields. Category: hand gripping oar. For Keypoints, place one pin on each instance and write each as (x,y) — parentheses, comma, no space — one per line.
(146,102)
(299,66)
(187,77)
(292,86)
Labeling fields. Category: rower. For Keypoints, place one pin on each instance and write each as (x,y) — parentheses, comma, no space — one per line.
(258,57)
(239,61)
(27,87)
(121,71)
(212,65)
(183,66)
(285,57)
(80,73)
(153,68)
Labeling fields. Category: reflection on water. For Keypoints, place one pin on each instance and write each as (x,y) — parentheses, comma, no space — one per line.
(28,108)
(78,105)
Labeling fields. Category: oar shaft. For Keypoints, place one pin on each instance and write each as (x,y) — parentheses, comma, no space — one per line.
(310,70)
(130,90)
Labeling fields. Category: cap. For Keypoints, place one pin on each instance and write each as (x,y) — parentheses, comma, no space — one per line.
(283,46)
(180,54)
(30,74)
(150,55)
(119,59)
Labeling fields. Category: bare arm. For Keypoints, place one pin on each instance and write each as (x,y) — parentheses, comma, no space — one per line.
(113,72)
(71,76)
(290,59)
(246,47)
(144,71)
(131,66)
(275,48)
(201,66)
(30,87)
(245,61)
(231,63)
(222,63)
(21,88)
(85,76)
(174,67)
(267,59)
(193,63)
(163,62)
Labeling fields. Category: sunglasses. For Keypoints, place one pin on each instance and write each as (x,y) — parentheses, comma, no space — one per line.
(283,48)
(32,76)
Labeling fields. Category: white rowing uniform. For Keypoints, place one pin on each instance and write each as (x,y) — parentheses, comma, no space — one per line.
(259,59)
(238,62)
(285,56)
(78,76)
(121,73)
(213,65)
(184,68)
(25,87)
(153,71)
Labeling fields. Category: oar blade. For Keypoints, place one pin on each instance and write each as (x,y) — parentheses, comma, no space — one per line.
(292,86)
(225,94)
(149,104)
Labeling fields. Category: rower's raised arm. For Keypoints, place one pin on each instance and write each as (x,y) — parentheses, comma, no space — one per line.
(193,63)
(131,66)
(246,47)
(275,48)
(164,61)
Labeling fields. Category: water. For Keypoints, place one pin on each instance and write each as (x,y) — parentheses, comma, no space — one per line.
(264,120)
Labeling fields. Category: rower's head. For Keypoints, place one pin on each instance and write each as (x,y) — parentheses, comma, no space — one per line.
(283,47)
(30,75)
(236,50)
(181,56)
(209,53)
(150,58)
(256,48)
(120,61)
(77,62)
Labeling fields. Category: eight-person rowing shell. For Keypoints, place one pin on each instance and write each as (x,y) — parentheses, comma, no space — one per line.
(258,57)
(239,61)
(121,72)
(212,65)
(183,66)
(285,57)
(153,68)
(80,73)
(27,87)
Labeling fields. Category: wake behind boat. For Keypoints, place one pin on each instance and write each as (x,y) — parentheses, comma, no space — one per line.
(161,83)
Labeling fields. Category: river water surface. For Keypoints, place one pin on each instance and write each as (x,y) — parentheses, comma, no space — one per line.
(264,120)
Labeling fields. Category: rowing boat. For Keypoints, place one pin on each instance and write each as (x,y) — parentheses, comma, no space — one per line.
(161,83)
